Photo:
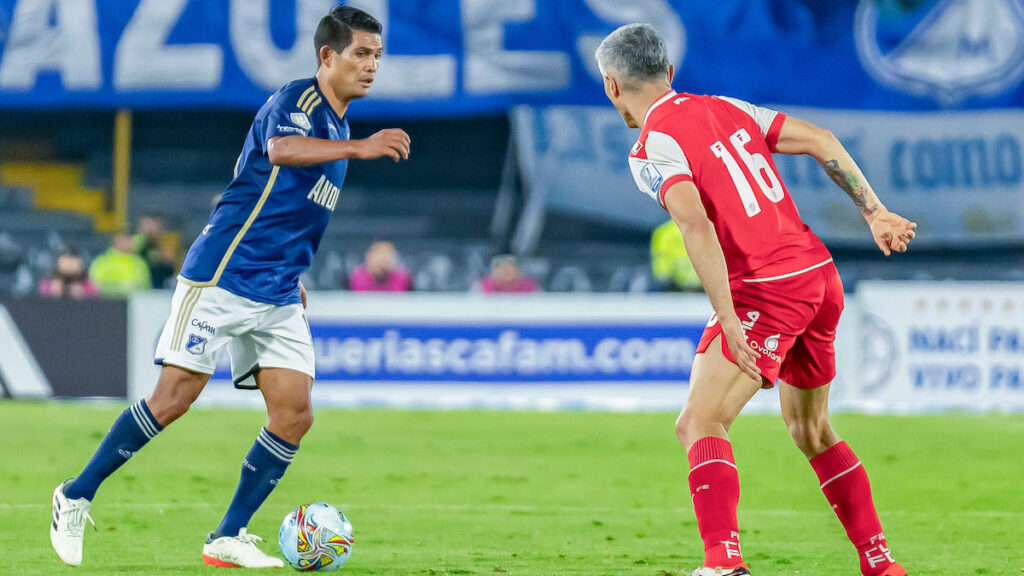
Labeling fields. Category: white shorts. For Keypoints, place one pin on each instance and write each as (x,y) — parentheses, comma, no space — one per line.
(258,335)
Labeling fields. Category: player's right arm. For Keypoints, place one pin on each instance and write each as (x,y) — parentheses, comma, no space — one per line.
(890,230)
(307,151)
(683,203)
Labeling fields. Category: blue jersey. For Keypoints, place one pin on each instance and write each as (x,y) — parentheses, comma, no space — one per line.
(264,231)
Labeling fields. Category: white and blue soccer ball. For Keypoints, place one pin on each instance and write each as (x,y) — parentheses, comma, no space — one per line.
(316,537)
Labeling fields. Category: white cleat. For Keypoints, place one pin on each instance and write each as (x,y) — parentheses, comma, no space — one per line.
(737,571)
(68,524)
(238,552)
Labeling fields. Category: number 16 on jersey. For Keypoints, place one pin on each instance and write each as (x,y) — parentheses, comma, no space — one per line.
(758,167)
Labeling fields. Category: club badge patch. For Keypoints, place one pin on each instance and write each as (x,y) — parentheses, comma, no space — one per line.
(300,120)
(196,344)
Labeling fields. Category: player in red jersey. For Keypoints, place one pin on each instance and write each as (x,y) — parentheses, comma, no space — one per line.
(777,296)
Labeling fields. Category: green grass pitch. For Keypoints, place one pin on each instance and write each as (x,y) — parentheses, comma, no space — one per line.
(514,493)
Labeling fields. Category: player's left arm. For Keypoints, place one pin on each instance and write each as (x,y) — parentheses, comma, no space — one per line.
(308,151)
(890,230)
(302,293)
(683,203)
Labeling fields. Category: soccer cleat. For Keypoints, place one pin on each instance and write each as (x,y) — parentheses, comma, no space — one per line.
(740,570)
(237,552)
(895,570)
(68,524)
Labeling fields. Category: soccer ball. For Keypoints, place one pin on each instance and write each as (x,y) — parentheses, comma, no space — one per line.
(316,537)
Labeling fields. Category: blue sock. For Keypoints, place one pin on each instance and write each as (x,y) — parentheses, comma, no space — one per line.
(130,432)
(264,465)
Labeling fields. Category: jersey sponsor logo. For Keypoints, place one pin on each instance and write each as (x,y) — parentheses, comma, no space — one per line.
(764,350)
(204,326)
(292,129)
(948,51)
(651,176)
(300,120)
(196,344)
(324,193)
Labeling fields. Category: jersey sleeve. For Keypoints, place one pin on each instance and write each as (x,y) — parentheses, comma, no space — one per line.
(290,113)
(663,165)
(768,120)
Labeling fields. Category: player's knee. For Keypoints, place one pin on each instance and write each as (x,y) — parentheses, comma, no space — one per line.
(167,409)
(688,427)
(293,424)
(304,421)
(811,435)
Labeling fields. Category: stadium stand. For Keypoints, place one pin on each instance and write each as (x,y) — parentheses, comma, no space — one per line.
(438,208)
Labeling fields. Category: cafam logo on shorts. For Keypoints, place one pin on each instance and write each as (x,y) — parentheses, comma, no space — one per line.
(947,50)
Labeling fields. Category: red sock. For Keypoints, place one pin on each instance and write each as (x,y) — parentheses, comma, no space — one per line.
(846,487)
(715,489)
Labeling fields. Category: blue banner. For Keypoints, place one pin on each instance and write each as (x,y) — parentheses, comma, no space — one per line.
(501,353)
(458,57)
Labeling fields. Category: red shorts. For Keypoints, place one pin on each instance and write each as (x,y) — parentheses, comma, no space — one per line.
(791,322)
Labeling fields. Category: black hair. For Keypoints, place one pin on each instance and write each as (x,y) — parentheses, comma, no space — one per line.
(71,250)
(335,29)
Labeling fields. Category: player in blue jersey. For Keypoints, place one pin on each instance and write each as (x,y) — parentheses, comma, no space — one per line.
(240,287)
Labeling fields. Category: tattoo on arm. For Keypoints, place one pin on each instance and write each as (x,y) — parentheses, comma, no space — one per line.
(852,185)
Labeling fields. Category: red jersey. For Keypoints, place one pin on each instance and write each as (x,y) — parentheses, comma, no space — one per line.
(724,146)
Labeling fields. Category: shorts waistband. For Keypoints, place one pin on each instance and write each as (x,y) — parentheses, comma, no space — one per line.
(790,275)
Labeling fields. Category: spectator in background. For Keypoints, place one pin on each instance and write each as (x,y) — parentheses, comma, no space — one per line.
(119,271)
(506,277)
(159,252)
(69,279)
(670,265)
(380,272)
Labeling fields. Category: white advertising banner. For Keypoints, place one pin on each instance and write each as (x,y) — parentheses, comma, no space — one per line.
(960,175)
(902,347)
(934,346)
(548,352)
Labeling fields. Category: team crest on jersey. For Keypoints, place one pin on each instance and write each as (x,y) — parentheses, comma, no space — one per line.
(947,50)
(301,120)
(196,344)
(651,176)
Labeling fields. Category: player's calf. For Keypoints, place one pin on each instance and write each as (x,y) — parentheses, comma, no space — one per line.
(846,487)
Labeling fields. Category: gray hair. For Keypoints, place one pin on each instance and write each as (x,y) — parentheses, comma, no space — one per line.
(634,50)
